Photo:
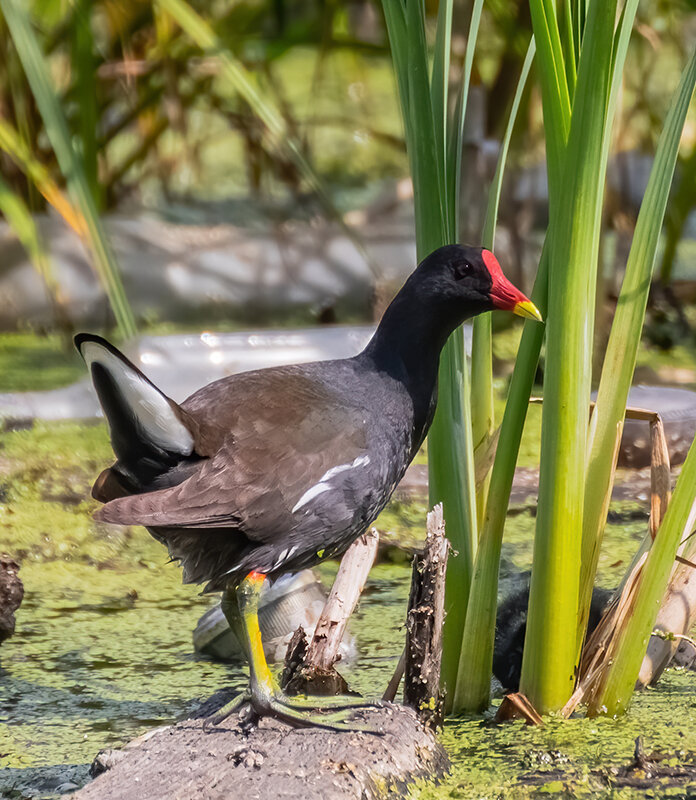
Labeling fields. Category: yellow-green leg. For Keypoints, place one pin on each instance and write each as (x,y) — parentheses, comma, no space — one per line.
(240,605)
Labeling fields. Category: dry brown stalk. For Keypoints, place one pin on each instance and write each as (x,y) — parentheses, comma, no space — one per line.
(426,611)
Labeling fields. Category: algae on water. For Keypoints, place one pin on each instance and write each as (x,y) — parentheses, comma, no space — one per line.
(103,648)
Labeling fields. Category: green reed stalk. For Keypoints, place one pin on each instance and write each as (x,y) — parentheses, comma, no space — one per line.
(472,691)
(633,639)
(624,339)
(618,368)
(550,654)
(18,216)
(433,142)
(85,71)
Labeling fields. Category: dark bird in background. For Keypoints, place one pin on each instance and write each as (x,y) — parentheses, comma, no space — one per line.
(270,471)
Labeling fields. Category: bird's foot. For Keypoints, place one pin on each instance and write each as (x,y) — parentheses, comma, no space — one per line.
(338,702)
(236,704)
(328,713)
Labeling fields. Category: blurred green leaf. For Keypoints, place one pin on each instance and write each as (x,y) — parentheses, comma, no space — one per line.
(476,658)
(241,80)
(18,216)
(11,143)
(72,167)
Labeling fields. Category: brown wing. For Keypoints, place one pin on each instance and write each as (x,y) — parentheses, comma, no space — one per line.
(275,433)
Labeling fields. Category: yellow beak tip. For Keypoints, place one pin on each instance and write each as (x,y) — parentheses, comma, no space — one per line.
(528,310)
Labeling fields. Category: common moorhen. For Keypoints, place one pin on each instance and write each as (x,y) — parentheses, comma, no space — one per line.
(271,471)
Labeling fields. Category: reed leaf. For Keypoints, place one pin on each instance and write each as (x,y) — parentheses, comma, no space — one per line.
(431,152)
(624,338)
(629,649)
(440,92)
(614,384)
(472,691)
(456,139)
(14,146)
(55,124)
(482,409)
(555,92)
(84,69)
(19,218)
(550,654)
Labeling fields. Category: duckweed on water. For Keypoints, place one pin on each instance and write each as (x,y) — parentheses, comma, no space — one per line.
(103,649)
(571,758)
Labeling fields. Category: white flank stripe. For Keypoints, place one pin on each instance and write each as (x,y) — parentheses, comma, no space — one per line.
(360,461)
(280,559)
(310,494)
(324,485)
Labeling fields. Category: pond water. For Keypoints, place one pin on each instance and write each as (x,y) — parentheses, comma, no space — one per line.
(101,656)
(103,648)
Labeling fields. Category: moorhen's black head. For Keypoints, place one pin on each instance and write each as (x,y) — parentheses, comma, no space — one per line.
(452,284)
(458,282)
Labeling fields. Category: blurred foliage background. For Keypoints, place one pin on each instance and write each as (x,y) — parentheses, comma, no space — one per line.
(231,112)
(156,122)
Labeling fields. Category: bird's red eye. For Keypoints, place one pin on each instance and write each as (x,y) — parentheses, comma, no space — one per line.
(462,269)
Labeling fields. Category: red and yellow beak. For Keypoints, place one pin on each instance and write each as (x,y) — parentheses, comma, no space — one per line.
(504,295)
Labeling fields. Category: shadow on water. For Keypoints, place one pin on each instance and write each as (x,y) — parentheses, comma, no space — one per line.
(33,783)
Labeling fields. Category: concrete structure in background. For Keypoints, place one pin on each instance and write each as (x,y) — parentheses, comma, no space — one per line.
(194,272)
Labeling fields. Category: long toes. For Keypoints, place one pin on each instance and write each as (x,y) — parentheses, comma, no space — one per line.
(339,703)
(227,710)
(331,721)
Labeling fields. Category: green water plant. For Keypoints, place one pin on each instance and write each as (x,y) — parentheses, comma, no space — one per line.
(576,183)
(632,638)
(433,130)
(577,460)
(580,53)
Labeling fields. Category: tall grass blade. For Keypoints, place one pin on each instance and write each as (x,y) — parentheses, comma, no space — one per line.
(14,146)
(633,639)
(18,216)
(484,594)
(624,338)
(456,138)
(85,71)
(568,34)
(482,410)
(440,93)
(36,69)
(472,692)
(550,655)
(557,119)
(555,92)
(432,229)
(450,461)
(452,481)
